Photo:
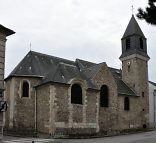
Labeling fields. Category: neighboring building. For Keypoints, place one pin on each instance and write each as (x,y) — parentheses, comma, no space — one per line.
(152,104)
(51,95)
(4,32)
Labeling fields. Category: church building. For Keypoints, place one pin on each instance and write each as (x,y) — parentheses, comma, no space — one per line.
(55,96)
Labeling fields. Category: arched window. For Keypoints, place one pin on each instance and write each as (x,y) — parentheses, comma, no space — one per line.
(126,103)
(25,89)
(76,94)
(128,43)
(141,43)
(104,96)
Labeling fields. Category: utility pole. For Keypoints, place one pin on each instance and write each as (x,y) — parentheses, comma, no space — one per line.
(4,32)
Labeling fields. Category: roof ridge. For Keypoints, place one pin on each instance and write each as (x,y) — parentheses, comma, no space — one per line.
(51,56)
(93,66)
(85,61)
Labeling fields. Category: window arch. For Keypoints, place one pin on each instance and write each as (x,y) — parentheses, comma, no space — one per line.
(126,104)
(25,89)
(104,96)
(76,94)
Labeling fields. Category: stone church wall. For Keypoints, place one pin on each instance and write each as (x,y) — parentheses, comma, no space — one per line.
(62,103)
(57,116)
(20,115)
(137,79)
(75,118)
(130,119)
(92,107)
(43,109)
(107,121)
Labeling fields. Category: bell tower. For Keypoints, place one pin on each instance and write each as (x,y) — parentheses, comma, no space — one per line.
(134,60)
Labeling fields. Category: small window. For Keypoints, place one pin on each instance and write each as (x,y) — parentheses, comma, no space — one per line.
(143,94)
(128,43)
(129,68)
(25,89)
(126,104)
(104,96)
(76,94)
(141,43)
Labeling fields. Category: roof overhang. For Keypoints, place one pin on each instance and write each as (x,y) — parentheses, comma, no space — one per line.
(134,56)
(6,31)
(26,76)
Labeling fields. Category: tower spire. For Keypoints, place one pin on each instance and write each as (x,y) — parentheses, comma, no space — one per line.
(133,28)
(133,40)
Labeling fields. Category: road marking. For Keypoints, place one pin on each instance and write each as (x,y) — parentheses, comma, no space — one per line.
(24,140)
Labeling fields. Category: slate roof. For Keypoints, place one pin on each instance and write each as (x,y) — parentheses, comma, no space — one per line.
(54,69)
(37,64)
(133,28)
(6,31)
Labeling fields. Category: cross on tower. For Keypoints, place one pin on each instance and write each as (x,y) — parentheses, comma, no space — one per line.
(30,46)
(132,9)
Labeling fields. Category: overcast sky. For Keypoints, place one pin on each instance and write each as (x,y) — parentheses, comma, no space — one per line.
(85,29)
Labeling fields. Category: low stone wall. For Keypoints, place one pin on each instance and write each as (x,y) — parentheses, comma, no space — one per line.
(20,132)
(75,131)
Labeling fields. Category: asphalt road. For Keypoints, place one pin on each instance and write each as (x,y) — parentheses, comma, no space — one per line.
(146,137)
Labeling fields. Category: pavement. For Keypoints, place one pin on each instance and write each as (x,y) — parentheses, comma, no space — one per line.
(145,137)
(8,139)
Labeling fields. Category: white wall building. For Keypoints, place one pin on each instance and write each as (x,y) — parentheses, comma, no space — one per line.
(152,104)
